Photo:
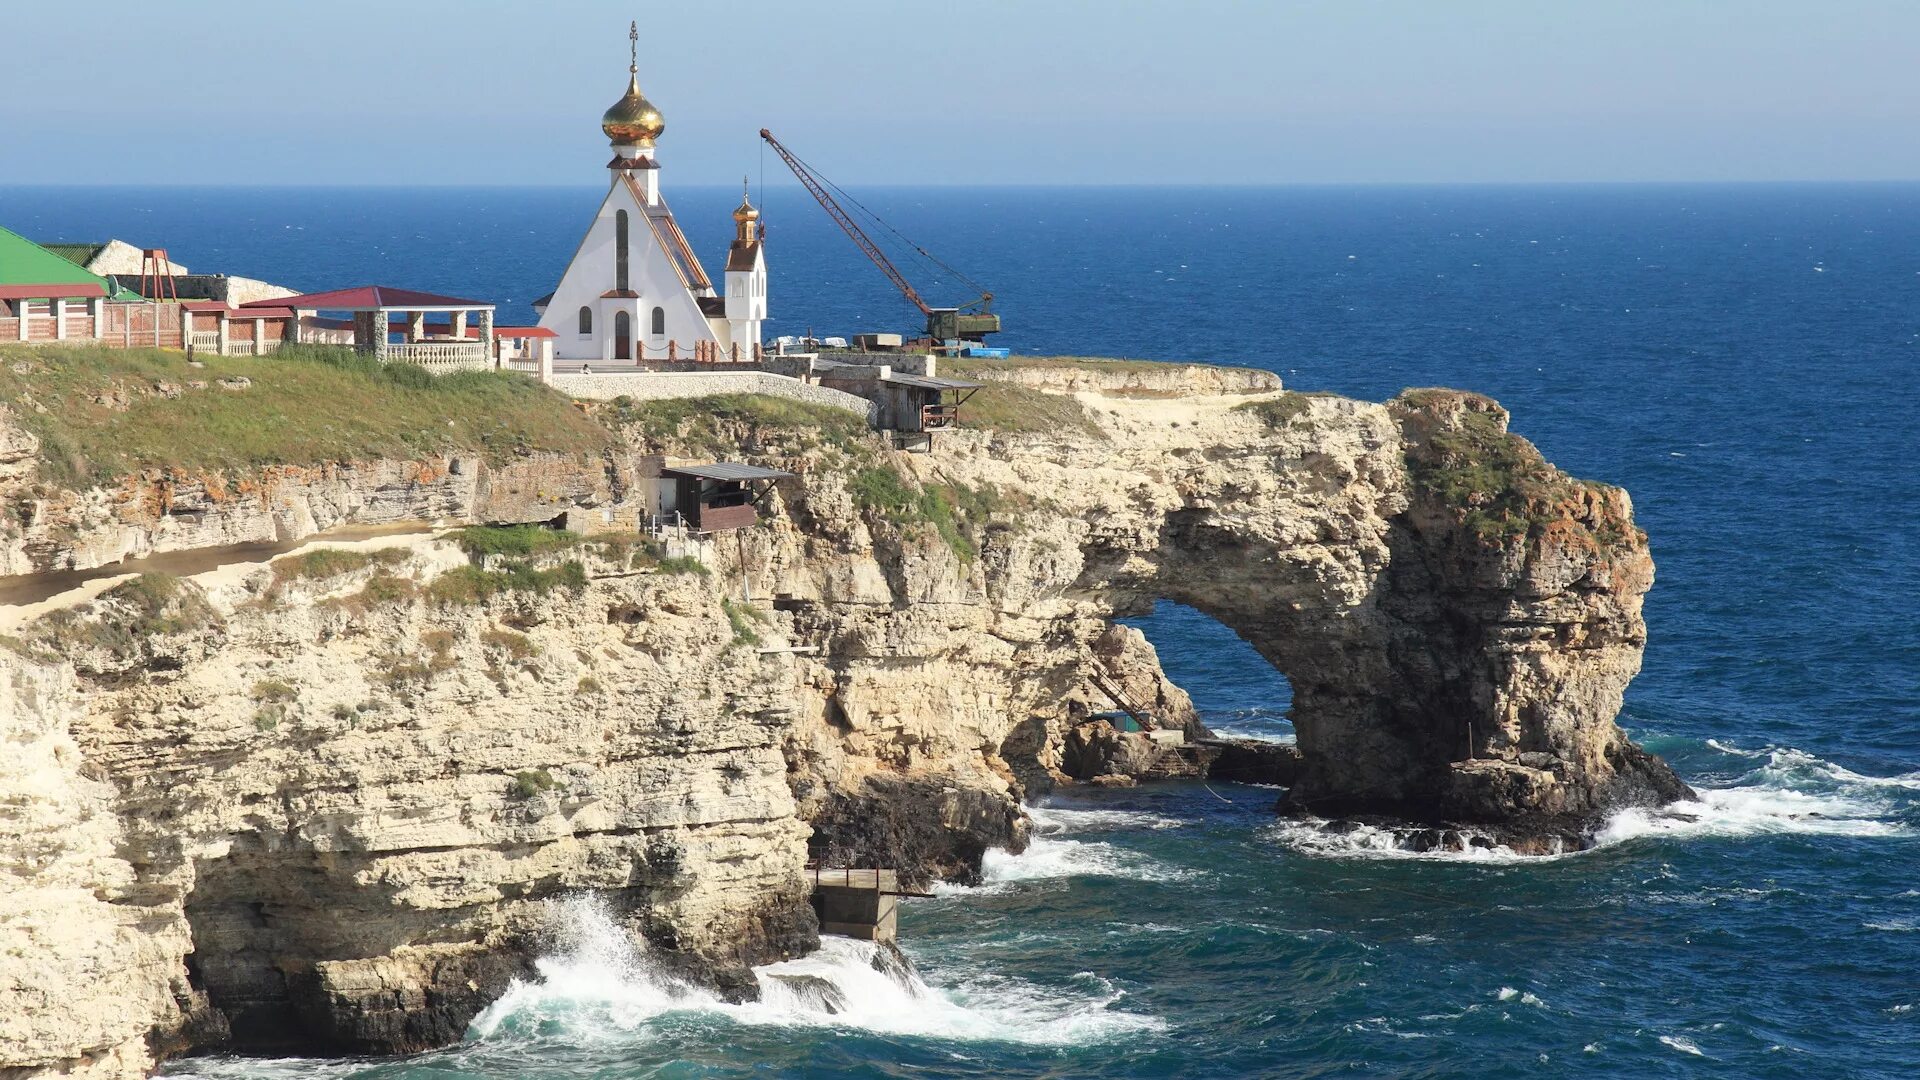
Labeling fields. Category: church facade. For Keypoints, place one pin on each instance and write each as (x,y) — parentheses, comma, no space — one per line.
(634,290)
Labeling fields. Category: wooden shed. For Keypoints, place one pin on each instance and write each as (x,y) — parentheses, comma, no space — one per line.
(723,495)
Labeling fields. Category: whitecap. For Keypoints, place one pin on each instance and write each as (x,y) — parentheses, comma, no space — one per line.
(1794,792)
(1735,750)
(598,986)
(1051,819)
(1048,858)
(1786,766)
(1683,1044)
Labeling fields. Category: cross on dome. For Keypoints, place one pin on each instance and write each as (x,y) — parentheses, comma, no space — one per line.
(633,120)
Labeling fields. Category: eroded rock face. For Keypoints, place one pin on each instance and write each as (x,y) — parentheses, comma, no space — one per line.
(330,820)
(327,817)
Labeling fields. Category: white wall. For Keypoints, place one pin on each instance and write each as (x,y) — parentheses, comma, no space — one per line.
(661,385)
(651,273)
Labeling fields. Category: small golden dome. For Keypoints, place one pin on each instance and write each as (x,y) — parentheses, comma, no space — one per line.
(633,121)
(745,212)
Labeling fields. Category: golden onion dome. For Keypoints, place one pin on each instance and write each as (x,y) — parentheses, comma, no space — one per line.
(745,213)
(633,121)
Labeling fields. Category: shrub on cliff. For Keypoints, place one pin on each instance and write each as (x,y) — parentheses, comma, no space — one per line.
(479,541)
(531,782)
(127,625)
(1277,412)
(955,512)
(324,563)
(472,585)
(1460,454)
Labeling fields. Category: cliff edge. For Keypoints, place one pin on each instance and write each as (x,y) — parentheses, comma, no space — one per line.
(315,799)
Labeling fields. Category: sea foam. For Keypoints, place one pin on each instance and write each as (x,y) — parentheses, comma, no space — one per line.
(1790,791)
(596,986)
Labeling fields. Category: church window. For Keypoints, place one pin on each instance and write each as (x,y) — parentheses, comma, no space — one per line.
(659,321)
(586,319)
(620,250)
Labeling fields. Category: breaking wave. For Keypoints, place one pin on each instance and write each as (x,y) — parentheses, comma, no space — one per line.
(1358,840)
(1792,792)
(1788,791)
(1054,854)
(598,986)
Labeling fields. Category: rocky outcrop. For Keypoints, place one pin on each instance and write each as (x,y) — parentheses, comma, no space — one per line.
(324,812)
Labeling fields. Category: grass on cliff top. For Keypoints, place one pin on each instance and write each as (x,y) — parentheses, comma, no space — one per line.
(966,367)
(100,413)
(716,425)
(1010,407)
(1499,481)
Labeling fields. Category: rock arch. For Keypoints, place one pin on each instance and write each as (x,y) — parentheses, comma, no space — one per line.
(1457,655)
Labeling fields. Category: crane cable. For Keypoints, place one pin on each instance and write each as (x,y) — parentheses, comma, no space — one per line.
(883,223)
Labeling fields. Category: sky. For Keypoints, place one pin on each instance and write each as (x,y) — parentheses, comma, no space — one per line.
(986,92)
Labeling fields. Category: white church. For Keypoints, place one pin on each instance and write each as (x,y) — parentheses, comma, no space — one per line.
(635,291)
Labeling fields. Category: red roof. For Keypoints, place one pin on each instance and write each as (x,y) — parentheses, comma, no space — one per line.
(515,331)
(55,291)
(259,309)
(368,298)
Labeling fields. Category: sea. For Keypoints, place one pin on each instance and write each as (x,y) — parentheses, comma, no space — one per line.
(1741,358)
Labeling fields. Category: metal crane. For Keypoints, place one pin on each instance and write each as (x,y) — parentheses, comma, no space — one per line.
(952,324)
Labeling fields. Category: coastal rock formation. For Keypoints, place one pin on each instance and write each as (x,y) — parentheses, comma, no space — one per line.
(319,805)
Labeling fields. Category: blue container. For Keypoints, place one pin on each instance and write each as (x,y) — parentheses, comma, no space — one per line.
(986,353)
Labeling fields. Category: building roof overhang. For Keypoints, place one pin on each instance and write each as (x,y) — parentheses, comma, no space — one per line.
(54,290)
(373,298)
(726,470)
(930,382)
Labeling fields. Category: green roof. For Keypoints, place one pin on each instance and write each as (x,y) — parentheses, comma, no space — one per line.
(77,254)
(23,262)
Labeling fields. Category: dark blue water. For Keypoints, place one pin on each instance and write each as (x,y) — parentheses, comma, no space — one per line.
(1740,358)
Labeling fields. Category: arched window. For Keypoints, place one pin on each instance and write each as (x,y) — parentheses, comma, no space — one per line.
(586,319)
(620,250)
(659,322)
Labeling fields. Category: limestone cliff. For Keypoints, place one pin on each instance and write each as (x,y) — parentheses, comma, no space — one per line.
(316,804)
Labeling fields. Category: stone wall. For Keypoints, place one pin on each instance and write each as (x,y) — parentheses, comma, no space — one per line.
(660,385)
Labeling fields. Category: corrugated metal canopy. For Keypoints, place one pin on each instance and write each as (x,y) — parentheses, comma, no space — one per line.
(930,382)
(727,470)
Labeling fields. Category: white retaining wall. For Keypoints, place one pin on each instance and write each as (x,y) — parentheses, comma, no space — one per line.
(660,385)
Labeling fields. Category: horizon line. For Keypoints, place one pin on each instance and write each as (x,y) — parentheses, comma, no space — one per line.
(1007,185)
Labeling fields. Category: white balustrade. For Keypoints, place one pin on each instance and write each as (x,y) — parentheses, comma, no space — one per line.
(439,356)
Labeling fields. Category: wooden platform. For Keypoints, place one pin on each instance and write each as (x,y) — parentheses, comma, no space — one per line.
(857,903)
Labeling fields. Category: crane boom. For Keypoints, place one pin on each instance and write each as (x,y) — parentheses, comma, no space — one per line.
(847,224)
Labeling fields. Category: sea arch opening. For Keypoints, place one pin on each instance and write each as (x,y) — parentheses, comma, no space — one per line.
(1235,690)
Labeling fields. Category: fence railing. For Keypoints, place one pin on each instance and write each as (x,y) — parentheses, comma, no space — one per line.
(439,355)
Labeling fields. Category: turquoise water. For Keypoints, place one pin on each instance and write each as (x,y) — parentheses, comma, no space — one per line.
(1740,358)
